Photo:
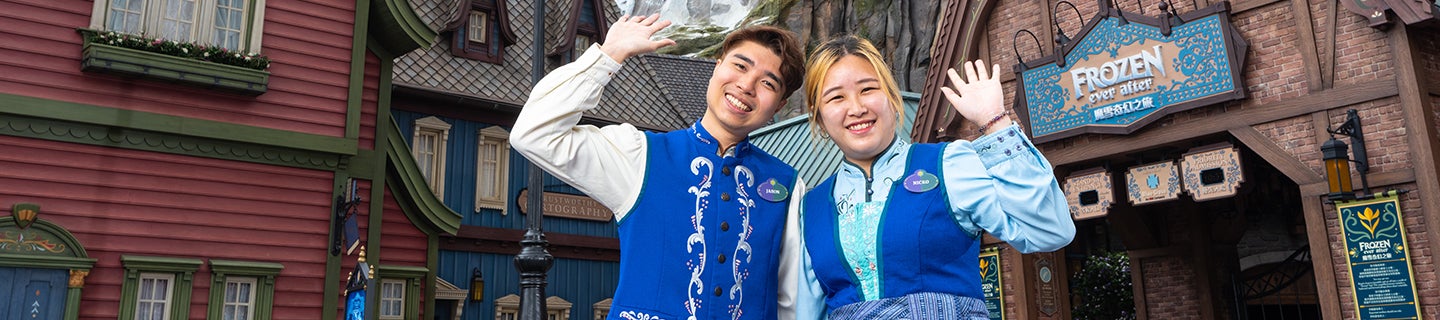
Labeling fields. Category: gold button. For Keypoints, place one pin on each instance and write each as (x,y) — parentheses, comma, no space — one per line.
(724,196)
(725,170)
(717,291)
(724,226)
(721,258)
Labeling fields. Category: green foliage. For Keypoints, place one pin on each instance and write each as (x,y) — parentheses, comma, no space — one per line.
(1103,288)
(190,50)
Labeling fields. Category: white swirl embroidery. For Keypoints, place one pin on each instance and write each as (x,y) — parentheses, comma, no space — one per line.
(744,179)
(632,315)
(697,264)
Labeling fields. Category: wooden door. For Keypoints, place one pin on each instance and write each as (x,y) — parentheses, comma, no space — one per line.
(32,294)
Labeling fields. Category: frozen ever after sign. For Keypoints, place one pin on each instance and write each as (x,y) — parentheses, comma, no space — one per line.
(1123,73)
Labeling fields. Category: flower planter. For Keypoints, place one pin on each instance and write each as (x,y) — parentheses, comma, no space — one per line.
(130,62)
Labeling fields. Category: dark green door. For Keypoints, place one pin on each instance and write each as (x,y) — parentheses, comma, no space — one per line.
(32,294)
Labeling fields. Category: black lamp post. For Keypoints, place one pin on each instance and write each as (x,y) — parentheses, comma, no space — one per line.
(1337,159)
(534,260)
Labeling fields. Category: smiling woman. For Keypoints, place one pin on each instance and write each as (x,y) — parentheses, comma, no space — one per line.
(949,193)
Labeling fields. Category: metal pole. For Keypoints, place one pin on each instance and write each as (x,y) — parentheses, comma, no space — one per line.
(534,260)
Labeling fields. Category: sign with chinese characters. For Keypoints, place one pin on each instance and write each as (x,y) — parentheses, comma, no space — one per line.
(1046,293)
(1212,174)
(1150,183)
(1089,193)
(990,284)
(1123,73)
(1381,277)
(567,206)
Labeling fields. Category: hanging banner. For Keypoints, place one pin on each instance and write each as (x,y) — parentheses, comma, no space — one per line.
(990,283)
(1381,276)
(1125,70)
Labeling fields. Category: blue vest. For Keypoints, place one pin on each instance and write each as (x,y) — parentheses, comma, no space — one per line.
(921,247)
(701,241)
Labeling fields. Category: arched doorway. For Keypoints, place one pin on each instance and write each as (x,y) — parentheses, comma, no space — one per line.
(42,268)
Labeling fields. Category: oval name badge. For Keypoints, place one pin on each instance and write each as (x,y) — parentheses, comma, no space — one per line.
(773,191)
(921,181)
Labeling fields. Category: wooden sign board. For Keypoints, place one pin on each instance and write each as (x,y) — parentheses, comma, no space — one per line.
(567,206)
(1089,193)
(1151,183)
(1212,173)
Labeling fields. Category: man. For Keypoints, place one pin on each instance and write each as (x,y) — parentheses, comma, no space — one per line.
(708,222)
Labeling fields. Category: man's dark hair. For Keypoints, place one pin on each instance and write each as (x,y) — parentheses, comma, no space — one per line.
(782,42)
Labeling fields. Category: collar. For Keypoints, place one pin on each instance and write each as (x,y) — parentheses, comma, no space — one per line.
(698,132)
(886,158)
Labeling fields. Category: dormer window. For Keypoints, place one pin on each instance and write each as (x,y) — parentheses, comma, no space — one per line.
(588,27)
(482,34)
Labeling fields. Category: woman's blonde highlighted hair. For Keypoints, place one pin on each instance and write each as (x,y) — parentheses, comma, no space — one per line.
(830,52)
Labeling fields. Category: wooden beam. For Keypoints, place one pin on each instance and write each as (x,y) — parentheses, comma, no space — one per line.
(1377,180)
(1327,57)
(1305,29)
(1289,108)
(1420,125)
(1276,156)
(1245,5)
(1137,286)
(1320,260)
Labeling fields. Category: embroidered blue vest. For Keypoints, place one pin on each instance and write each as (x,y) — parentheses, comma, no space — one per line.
(701,241)
(921,247)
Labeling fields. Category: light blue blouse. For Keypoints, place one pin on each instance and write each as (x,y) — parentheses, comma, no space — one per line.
(1015,198)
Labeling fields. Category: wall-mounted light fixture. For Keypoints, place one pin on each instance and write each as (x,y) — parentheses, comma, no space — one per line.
(477,286)
(1337,159)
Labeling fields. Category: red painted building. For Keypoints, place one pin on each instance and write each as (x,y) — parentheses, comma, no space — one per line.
(151,180)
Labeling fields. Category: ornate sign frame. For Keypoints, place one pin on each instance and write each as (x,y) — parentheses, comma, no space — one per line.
(1126,70)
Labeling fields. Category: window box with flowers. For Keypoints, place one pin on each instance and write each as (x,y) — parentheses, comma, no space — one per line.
(170,61)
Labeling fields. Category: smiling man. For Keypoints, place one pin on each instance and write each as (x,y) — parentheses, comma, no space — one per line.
(708,222)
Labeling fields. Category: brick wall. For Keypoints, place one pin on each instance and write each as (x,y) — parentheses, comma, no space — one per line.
(1171,290)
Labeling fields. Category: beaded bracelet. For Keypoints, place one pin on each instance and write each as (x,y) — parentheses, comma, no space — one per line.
(993,121)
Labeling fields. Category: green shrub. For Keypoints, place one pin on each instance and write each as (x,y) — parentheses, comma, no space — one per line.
(1103,288)
(191,50)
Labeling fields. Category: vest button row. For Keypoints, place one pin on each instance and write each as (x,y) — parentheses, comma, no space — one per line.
(721,258)
(724,226)
(717,291)
(724,196)
(725,170)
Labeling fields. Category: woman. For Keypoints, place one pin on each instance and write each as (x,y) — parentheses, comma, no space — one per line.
(895,233)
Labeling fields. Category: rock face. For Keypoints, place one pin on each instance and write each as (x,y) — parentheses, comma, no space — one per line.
(903,30)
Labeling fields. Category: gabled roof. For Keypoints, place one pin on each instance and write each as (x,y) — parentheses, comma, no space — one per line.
(814,157)
(660,92)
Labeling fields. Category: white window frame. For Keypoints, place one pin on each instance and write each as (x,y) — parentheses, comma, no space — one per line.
(500,138)
(507,307)
(479,27)
(250,299)
(441,130)
(397,284)
(202,28)
(169,299)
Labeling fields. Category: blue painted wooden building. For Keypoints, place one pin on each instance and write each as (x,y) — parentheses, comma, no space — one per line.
(454,103)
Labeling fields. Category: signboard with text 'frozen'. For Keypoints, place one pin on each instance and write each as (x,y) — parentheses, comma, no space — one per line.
(1126,70)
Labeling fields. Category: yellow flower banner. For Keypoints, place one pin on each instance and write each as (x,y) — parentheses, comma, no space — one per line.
(1381,276)
(990,282)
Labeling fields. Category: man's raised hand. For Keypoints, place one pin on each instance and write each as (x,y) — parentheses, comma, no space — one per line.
(630,36)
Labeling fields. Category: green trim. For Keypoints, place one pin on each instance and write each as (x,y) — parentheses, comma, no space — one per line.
(331,299)
(264,274)
(43,262)
(362,165)
(432,262)
(330,304)
(413,277)
(182,268)
(396,26)
(105,58)
(109,127)
(410,185)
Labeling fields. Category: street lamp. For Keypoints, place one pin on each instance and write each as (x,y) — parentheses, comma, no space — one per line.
(477,286)
(1337,159)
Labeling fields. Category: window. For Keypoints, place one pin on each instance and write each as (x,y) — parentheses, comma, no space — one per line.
(239,303)
(588,27)
(428,147)
(392,299)
(156,288)
(484,33)
(508,307)
(231,24)
(601,309)
(492,172)
(155,294)
(242,290)
(400,291)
